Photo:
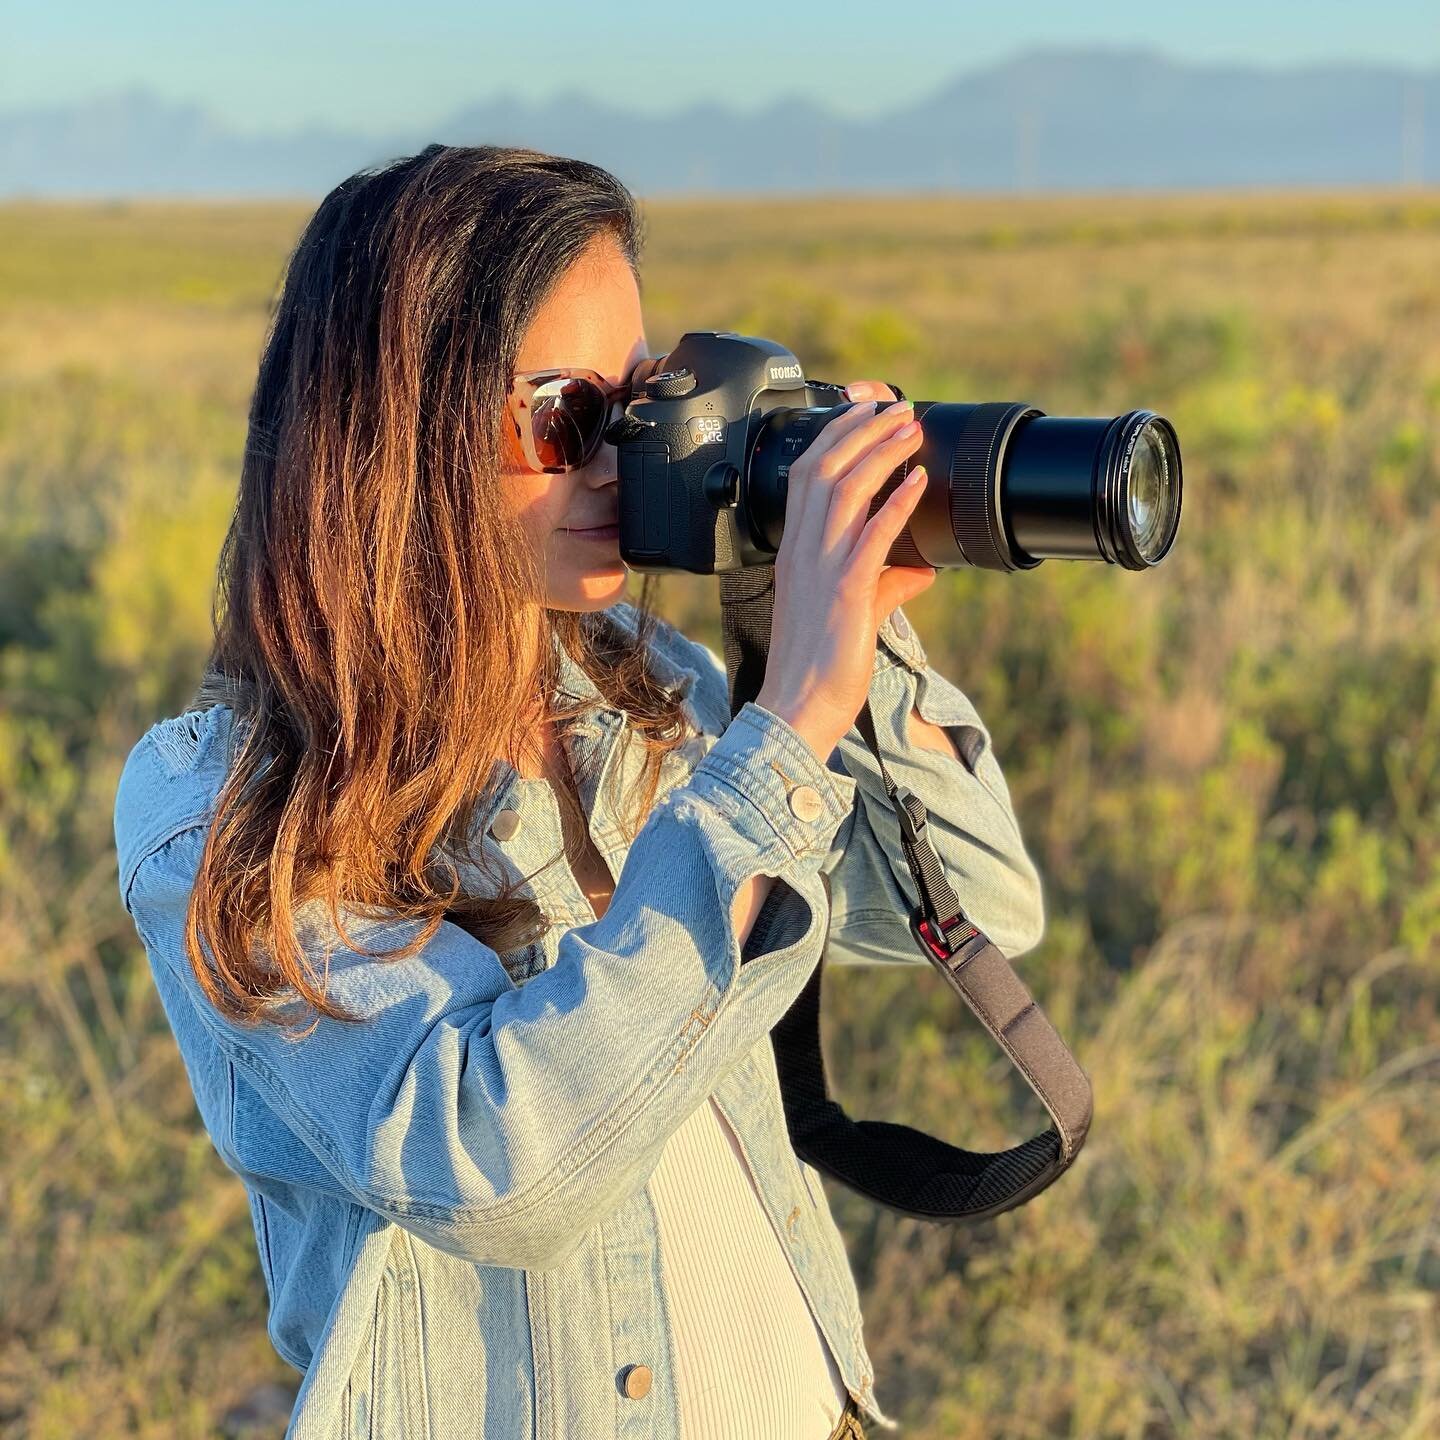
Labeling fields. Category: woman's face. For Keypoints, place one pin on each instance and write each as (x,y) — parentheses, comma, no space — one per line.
(593,320)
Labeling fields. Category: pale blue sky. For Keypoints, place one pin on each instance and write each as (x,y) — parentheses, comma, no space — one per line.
(269,65)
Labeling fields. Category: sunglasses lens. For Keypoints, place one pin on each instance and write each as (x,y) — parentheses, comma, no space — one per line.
(567,417)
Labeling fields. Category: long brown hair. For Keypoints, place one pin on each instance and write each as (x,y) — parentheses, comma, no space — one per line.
(370,608)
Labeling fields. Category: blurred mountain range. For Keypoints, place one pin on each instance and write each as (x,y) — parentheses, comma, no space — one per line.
(1048,119)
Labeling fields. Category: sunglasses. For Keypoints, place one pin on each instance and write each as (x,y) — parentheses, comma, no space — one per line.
(561,415)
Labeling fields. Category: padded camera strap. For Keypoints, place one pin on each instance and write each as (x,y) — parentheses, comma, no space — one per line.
(895,1165)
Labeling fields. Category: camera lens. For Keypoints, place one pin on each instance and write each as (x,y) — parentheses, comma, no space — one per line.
(1009,486)
(1150,489)
(1026,487)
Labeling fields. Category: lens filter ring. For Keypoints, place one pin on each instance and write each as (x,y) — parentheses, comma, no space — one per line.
(1115,512)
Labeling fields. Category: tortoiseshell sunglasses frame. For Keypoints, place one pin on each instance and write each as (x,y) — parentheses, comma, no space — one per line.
(524,385)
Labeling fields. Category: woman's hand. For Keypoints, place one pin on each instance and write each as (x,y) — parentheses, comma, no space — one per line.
(832,587)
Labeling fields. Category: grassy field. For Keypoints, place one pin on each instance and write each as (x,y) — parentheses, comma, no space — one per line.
(1228,770)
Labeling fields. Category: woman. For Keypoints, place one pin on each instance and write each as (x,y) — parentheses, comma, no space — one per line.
(448,874)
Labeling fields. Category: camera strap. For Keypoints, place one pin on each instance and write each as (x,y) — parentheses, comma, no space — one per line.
(891,1164)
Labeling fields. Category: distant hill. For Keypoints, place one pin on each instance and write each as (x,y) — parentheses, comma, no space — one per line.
(1048,119)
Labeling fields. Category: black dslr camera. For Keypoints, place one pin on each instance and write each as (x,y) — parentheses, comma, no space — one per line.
(706,443)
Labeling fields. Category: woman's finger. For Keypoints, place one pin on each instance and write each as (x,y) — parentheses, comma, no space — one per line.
(851,447)
(898,584)
(804,470)
(882,529)
(831,454)
(837,430)
(869,390)
(830,471)
(852,495)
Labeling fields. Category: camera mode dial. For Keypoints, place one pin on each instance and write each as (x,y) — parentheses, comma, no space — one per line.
(670,384)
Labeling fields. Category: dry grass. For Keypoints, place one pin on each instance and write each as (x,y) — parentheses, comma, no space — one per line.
(1226,769)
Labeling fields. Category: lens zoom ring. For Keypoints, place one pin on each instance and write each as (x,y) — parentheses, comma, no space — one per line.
(972,464)
(903,551)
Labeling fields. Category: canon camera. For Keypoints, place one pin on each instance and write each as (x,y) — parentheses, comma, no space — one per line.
(706,444)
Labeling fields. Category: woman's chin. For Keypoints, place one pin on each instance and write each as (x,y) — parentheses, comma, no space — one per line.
(594,589)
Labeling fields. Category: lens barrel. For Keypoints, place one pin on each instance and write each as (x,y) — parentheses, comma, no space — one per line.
(1010,486)
(1095,489)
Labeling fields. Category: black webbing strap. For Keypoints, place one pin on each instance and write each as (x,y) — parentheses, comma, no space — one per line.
(895,1165)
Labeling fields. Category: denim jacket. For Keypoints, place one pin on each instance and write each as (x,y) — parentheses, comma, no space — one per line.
(450,1199)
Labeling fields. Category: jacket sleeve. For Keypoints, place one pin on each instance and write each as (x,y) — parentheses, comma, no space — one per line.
(972,823)
(501,1123)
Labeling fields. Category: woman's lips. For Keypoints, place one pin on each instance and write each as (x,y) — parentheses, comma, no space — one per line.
(595,532)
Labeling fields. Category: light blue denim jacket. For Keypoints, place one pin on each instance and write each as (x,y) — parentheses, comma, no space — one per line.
(450,1199)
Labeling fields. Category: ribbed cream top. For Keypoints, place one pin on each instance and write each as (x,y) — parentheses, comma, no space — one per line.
(752,1362)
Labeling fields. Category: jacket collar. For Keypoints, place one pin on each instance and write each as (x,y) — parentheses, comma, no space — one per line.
(593,736)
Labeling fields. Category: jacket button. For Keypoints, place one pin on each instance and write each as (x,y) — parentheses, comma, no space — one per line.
(901,624)
(637,1381)
(505,824)
(806,803)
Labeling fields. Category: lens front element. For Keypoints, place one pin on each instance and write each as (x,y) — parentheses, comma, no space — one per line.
(1153,497)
